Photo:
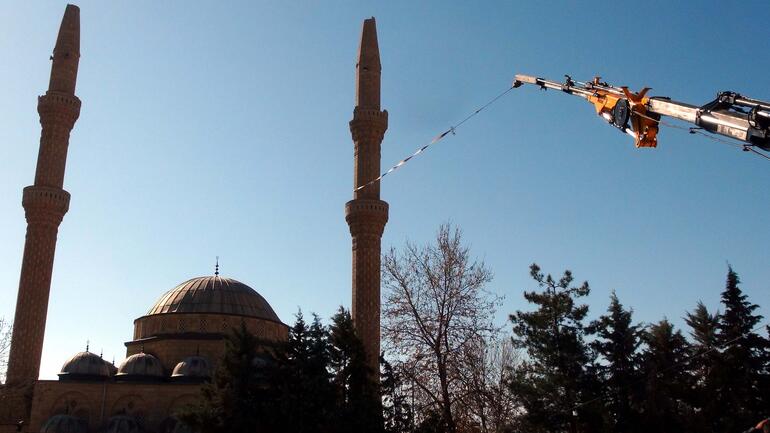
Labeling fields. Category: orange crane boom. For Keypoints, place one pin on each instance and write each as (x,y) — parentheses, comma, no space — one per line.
(638,115)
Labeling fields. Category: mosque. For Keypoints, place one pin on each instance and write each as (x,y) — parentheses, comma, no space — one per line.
(177,343)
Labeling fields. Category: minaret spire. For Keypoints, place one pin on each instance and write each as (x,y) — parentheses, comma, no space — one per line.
(66,53)
(368,68)
(366,214)
(45,203)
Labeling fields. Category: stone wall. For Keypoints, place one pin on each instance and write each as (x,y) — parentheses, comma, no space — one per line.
(153,404)
(173,337)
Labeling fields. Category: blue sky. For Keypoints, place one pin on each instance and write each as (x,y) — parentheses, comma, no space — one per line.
(211,129)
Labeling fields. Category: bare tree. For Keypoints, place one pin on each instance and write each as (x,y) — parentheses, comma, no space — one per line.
(487,400)
(436,310)
(5,346)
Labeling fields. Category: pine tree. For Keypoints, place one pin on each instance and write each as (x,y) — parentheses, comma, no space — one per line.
(553,381)
(667,380)
(316,382)
(358,407)
(738,375)
(305,390)
(703,330)
(228,402)
(397,412)
(617,342)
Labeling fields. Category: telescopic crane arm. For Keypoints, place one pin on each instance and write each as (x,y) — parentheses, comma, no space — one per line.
(730,114)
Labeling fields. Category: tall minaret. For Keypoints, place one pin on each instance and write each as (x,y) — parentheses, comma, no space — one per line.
(366,214)
(45,203)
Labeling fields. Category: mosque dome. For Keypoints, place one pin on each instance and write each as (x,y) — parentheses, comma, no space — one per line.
(140,366)
(64,424)
(193,368)
(214,294)
(85,366)
(123,424)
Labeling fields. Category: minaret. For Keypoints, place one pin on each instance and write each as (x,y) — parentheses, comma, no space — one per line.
(366,214)
(45,203)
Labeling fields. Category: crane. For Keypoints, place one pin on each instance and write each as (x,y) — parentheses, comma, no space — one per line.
(638,115)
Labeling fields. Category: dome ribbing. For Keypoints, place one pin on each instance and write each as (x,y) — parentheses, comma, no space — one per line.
(214,294)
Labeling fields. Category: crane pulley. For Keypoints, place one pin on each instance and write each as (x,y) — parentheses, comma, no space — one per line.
(638,115)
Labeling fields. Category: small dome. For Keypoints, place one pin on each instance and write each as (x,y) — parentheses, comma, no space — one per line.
(85,366)
(64,424)
(192,368)
(123,424)
(140,366)
(217,295)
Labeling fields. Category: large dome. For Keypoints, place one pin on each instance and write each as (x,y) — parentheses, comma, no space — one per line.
(214,294)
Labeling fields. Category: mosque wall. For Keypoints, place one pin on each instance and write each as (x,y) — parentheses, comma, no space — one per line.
(152,404)
(205,323)
(173,337)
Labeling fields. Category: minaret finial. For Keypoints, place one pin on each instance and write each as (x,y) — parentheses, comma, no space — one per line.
(368,67)
(66,53)
(216,268)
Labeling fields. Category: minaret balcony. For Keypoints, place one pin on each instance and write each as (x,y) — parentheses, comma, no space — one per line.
(366,216)
(54,106)
(46,203)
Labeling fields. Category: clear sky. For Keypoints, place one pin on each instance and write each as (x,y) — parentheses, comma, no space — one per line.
(221,129)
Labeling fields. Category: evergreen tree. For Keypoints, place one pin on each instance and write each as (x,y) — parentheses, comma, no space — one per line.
(358,406)
(228,401)
(553,381)
(703,327)
(316,382)
(617,342)
(302,378)
(667,380)
(703,330)
(738,376)
(397,412)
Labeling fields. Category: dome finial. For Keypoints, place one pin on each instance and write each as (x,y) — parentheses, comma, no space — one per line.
(88,344)
(216,268)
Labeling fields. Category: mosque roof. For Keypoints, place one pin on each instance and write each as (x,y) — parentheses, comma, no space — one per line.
(192,367)
(214,294)
(85,365)
(140,366)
